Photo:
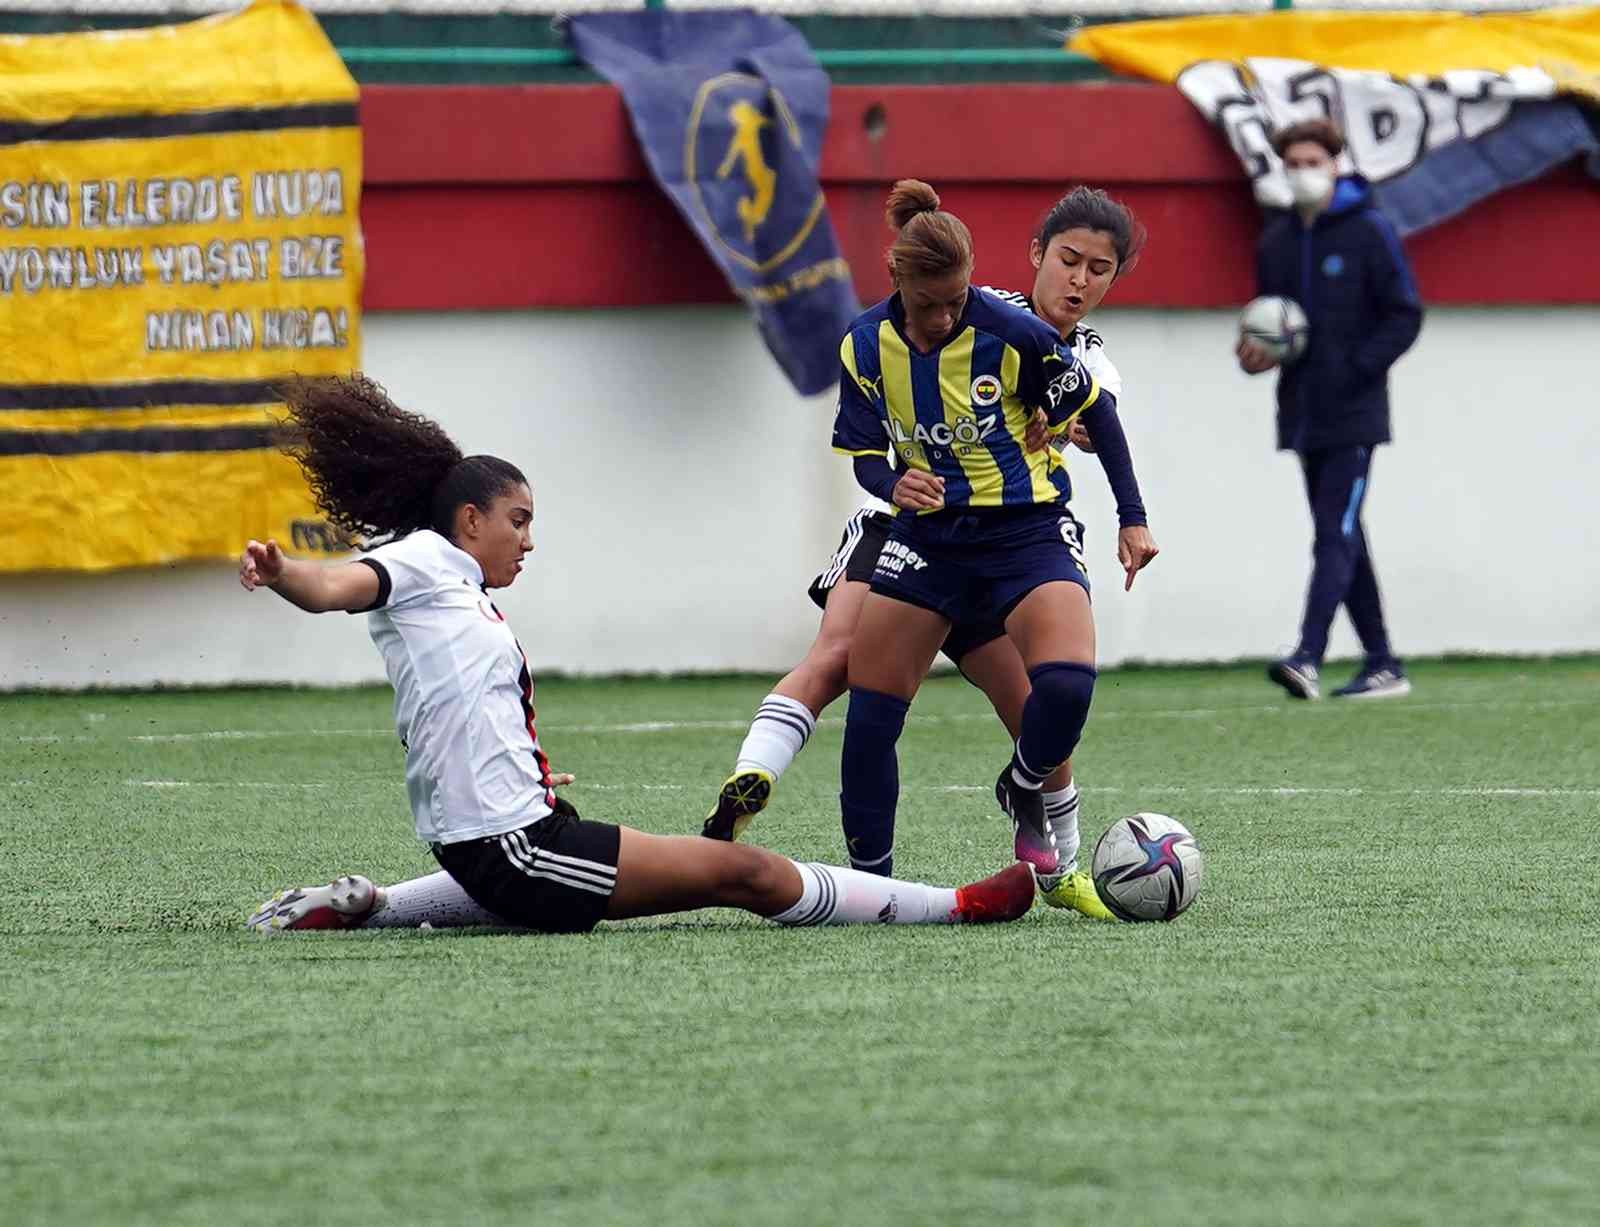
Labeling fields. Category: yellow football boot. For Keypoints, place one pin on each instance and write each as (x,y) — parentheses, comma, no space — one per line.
(1076,890)
(744,795)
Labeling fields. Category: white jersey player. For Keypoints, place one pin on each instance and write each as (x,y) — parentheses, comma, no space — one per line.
(482,795)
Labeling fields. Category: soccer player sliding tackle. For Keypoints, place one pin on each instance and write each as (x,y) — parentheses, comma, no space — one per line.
(482,794)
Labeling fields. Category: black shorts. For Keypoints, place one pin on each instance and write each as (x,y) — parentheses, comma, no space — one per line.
(857,556)
(555,875)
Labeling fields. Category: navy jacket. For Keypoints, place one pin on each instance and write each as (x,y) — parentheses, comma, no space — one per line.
(1349,273)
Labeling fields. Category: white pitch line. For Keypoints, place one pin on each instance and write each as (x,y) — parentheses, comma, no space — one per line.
(275,784)
(1289,791)
(257,734)
(1179,789)
(731,725)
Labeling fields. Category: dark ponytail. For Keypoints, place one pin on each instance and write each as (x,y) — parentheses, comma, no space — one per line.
(377,470)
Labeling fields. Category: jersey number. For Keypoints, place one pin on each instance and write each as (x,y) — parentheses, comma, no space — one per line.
(1070,533)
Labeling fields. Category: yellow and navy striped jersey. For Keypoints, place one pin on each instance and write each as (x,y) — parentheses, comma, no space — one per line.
(961,410)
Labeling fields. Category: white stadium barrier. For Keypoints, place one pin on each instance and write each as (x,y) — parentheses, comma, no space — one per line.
(685,497)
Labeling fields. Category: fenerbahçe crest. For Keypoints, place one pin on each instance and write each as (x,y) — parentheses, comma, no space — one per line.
(740,151)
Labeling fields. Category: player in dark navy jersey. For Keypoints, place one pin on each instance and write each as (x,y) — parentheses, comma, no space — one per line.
(949,379)
(1083,244)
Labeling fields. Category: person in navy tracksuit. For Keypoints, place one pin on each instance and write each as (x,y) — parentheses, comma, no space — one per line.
(1340,259)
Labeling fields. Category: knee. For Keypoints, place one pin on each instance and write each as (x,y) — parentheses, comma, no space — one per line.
(1063,683)
(753,875)
(874,712)
(830,657)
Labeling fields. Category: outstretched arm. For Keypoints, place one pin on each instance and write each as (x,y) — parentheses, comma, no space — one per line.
(1136,548)
(315,588)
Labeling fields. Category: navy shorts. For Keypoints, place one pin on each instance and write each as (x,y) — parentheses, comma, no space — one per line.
(976,565)
(857,555)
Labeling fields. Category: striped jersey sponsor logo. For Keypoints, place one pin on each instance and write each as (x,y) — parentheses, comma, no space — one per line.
(961,410)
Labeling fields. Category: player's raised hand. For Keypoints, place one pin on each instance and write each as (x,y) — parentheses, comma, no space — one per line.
(260,566)
(1253,356)
(919,491)
(1136,549)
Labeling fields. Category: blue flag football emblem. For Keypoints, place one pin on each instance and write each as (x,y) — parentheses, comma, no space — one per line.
(730,108)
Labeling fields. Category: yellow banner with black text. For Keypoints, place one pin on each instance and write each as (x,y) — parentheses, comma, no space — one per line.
(179,230)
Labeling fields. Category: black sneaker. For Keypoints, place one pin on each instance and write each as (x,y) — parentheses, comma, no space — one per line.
(1297,675)
(1385,681)
(1035,840)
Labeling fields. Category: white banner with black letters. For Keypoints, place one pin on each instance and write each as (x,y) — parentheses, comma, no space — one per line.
(1430,145)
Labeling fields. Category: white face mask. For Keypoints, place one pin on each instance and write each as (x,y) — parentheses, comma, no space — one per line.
(1309,185)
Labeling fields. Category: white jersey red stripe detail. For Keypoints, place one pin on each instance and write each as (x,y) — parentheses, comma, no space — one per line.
(526,682)
(463,694)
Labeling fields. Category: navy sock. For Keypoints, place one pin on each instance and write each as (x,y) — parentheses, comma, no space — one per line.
(1052,719)
(869,778)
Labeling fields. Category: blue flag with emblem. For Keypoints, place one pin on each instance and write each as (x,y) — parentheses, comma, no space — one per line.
(730,108)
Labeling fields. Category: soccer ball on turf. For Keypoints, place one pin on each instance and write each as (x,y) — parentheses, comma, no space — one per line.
(1276,324)
(1147,867)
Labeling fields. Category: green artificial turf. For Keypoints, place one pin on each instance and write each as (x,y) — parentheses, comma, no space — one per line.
(1381,1010)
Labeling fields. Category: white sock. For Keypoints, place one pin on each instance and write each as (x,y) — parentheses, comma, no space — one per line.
(780,731)
(1061,808)
(830,895)
(1023,775)
(437,899)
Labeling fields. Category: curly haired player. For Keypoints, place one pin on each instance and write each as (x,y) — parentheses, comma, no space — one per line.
(481,791)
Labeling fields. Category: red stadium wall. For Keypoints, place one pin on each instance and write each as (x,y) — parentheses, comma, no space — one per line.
(537,196)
